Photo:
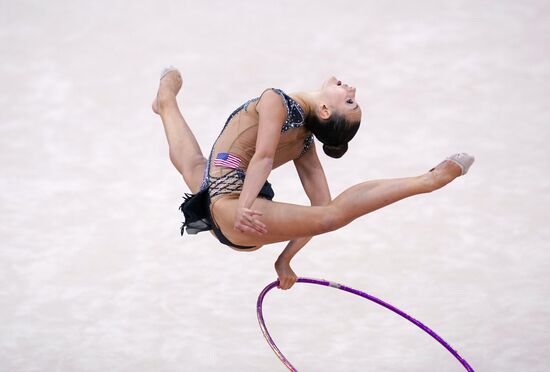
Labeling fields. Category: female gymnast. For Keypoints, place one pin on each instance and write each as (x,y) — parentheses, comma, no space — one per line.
(231,195)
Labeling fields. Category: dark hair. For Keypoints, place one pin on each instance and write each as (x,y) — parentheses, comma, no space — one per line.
(334,133)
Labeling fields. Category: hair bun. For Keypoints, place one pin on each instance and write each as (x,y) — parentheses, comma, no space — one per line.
(335,151)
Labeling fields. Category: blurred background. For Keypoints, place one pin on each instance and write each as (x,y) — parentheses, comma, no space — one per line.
(94,275)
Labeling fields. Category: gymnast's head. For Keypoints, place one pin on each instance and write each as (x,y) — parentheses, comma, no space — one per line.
(334,117)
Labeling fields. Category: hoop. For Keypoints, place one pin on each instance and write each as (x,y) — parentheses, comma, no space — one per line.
(355,292)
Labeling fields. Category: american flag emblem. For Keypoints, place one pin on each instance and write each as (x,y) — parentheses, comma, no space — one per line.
(225,159)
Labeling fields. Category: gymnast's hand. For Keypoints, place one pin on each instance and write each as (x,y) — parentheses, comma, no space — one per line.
(246,221)
(287,277)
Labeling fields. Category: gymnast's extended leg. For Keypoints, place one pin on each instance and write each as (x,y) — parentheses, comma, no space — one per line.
(184,149)
(287,221)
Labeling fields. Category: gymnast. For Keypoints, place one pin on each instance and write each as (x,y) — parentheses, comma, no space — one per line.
(231,196)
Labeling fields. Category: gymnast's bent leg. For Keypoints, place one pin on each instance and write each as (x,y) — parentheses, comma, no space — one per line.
(184,150)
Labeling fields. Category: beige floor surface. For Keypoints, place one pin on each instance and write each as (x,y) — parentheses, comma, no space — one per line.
(94,275)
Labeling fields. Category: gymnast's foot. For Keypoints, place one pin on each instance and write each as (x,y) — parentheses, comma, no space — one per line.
(452,167)
(169,86)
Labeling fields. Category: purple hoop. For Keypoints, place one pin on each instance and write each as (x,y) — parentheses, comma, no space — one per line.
(355,292)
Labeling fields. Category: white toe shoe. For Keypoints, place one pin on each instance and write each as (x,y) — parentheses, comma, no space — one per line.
(167,70)
(463,160)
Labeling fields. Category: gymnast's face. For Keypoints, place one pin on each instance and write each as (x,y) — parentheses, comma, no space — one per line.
(340,98)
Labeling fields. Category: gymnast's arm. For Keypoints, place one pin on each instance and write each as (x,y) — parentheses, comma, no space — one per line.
(315,185)
(272,115)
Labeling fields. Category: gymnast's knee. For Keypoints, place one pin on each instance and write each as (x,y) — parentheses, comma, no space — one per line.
(332,219)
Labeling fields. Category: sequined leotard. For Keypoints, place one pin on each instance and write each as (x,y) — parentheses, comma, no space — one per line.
(226,166)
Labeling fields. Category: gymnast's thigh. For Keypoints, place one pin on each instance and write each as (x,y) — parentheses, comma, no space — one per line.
(284,221)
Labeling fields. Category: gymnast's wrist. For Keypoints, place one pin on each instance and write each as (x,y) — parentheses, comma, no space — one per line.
(283,259)
(244,202)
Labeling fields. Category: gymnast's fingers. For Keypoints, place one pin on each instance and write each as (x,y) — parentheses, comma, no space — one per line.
(292,281)
(255,224)
(246,229)
(250,214)
(260,230)
(260,225)
(255,212)
(287,281)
